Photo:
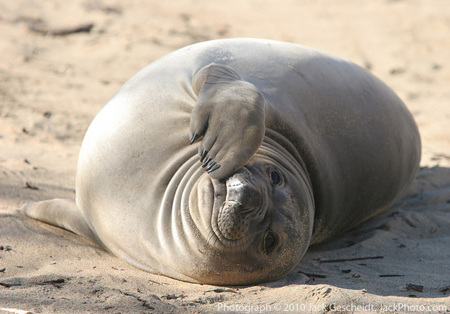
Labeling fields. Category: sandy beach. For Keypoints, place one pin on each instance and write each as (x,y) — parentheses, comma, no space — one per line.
(61,61)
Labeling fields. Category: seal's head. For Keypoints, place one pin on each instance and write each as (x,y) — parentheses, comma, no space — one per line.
(256,224)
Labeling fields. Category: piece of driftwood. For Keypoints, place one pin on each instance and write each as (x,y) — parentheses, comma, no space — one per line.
(351,259)
(63,31)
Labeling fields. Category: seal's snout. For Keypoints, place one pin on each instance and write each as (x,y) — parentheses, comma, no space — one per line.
(242,206)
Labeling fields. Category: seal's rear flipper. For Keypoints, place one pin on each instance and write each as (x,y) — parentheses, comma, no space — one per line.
(61,213)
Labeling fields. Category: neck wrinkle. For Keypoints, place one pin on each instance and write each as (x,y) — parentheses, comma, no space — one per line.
(174,225)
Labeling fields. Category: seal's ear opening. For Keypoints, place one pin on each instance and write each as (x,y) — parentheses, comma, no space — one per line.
(212,74)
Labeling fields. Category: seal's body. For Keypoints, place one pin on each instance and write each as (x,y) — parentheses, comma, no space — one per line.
(298,147)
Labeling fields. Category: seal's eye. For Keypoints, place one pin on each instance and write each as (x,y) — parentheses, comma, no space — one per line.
(275,177)
(270,242)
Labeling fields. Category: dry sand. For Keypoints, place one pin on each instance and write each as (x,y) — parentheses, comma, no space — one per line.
(52,86)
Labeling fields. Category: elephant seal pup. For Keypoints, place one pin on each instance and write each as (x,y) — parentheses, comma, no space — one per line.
(222,162)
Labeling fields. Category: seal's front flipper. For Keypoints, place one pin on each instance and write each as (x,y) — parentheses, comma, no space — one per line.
(61,213)
(230,116)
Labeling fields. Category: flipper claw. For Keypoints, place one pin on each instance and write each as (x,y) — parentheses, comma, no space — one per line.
(206,162)
(203,155)
(194,138)
(213,168)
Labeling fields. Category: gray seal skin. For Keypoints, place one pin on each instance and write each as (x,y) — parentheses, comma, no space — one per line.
(222,162)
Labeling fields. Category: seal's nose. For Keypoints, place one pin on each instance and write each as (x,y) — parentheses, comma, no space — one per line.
(243,193)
